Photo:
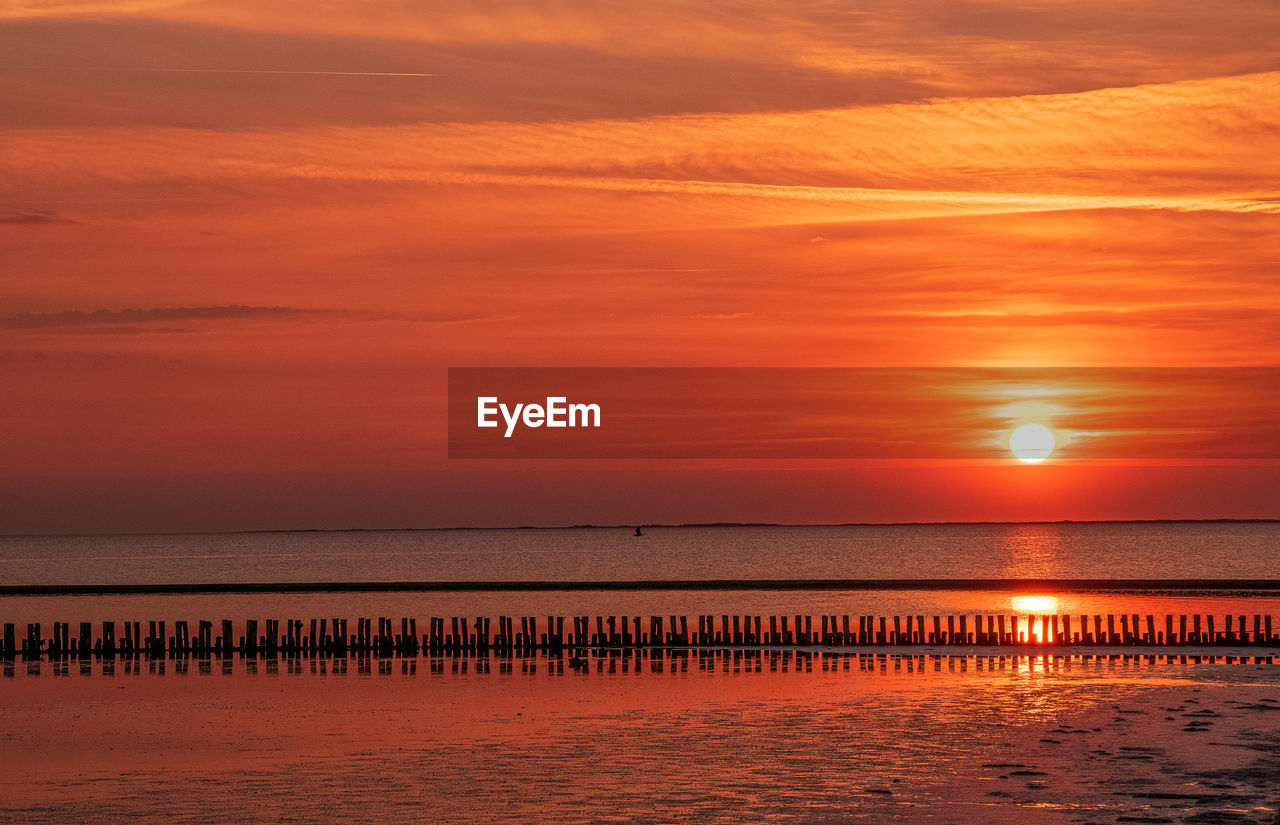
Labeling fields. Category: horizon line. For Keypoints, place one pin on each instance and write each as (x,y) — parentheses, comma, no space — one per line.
(646,525)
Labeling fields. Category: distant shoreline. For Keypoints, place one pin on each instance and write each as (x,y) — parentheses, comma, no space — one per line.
(650,526)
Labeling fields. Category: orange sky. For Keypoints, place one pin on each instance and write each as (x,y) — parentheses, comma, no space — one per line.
(241,242)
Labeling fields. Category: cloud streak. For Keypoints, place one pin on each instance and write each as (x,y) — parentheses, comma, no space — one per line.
(71,319)
(251,71)
(1194,146)
(154,319)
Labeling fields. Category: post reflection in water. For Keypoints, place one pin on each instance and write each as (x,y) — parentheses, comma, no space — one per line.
(617,663)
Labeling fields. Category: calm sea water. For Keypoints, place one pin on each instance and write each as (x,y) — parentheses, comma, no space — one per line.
(1063,550)
(1035,550)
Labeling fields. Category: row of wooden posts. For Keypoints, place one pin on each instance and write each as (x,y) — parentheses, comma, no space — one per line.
(524,633)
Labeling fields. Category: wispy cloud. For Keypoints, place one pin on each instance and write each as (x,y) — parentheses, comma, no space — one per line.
(162,70)
(33,218)
(1194,146)
(159,320)
(72,319)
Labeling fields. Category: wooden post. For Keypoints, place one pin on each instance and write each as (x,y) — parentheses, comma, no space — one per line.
(1195,629)
(1000,628)
(10,640)
(1151,629)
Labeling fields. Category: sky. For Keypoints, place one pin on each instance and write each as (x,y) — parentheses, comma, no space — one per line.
(243,242)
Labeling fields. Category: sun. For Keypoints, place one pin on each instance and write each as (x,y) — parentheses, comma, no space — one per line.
(1031,443)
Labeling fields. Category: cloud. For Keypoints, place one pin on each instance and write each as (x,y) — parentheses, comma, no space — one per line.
(971,47)
(72,320)
(33,218)
(122,72)
(1199,146)
(160,320)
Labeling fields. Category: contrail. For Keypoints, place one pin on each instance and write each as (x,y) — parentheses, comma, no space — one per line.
(246,71)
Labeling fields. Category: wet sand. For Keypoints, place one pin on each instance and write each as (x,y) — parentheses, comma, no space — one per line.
(816,740)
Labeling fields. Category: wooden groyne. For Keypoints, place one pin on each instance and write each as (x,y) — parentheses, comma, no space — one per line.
(526,634)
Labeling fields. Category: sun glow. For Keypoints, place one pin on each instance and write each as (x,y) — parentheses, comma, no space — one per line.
(1031,443)
(1035,604)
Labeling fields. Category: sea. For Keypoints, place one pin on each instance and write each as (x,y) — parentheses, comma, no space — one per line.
(709,737)
(1146,550)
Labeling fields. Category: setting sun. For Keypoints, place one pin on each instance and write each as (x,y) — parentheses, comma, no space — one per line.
(1031,443)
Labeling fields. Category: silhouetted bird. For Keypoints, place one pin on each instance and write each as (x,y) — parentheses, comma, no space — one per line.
(639,532)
